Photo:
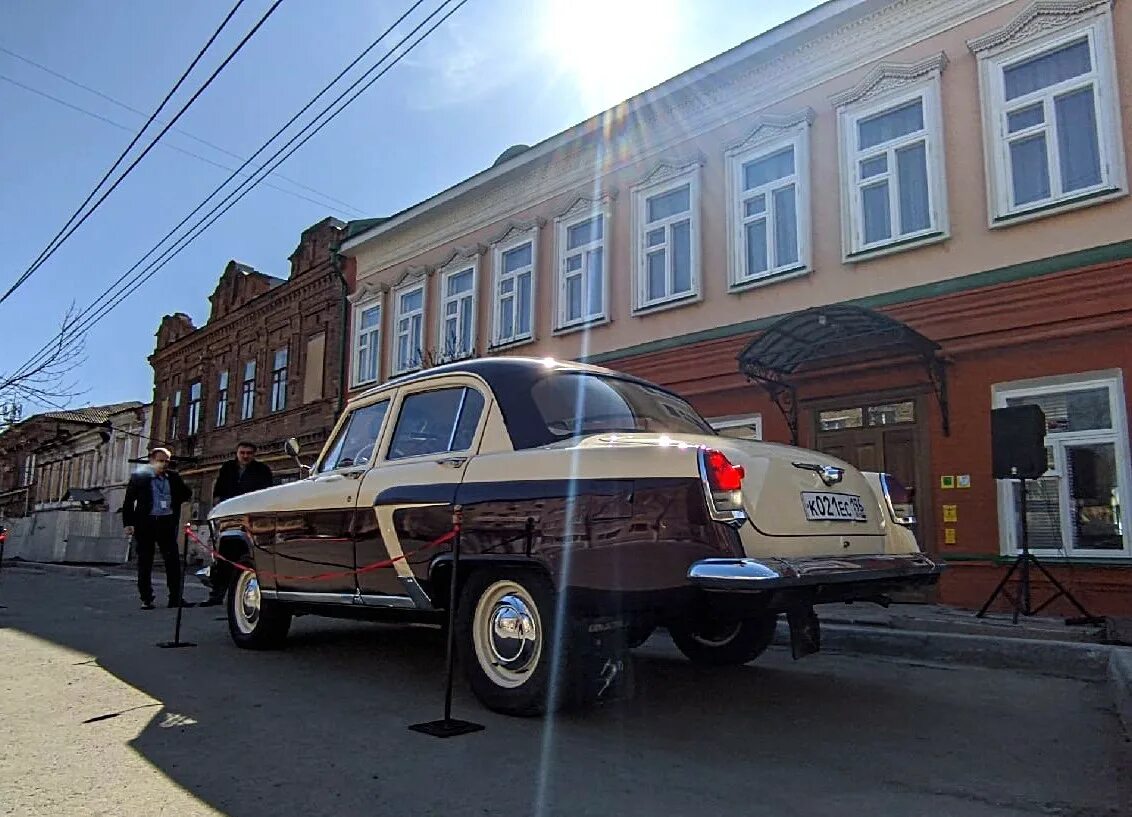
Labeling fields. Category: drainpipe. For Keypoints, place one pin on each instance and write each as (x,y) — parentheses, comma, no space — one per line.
(344,352)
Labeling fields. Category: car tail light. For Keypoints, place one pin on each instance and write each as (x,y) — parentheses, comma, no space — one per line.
(723,486)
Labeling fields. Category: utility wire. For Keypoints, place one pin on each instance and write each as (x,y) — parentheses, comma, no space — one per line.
(66,232)
(326,196)
(80,326)
(177,148)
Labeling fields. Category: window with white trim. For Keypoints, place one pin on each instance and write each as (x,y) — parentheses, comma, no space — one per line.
(367,342)
(408,328)
(769,210)
(1078,507)
(175,415)
(1052,118)
(582,269)
(222,399)
(746,427)
(194,407)
(458,312)
(667,216)
(279,380)
(893,171)
(514,292)
(247,391)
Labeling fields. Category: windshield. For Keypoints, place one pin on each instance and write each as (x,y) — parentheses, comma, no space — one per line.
(577,403)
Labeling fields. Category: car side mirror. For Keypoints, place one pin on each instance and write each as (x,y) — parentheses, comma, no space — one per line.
(291,447)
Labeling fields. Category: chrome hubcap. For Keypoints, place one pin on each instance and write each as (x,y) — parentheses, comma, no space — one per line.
(247,602)
(716,634)
(507,633)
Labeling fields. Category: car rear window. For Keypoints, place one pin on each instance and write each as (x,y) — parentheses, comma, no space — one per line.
(575,403)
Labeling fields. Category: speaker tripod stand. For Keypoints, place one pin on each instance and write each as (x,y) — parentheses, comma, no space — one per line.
(1022,601)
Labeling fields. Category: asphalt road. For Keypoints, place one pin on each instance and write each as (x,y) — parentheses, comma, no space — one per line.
(95,720)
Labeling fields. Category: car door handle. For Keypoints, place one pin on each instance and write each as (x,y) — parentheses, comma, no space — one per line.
(452,462)
(329,478)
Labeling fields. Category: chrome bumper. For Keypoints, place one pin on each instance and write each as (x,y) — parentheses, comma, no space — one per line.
(758,575)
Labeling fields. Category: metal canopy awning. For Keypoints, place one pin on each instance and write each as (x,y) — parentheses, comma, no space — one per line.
(822,337)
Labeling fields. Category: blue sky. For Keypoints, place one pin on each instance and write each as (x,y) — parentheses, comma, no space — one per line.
(497,73)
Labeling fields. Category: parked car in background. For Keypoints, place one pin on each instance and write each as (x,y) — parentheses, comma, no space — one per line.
(591,502)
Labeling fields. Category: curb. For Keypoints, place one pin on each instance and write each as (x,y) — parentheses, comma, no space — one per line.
(51,567)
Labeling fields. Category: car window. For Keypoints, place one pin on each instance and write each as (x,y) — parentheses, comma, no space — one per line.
(573,403)
(354,444)
(436,422)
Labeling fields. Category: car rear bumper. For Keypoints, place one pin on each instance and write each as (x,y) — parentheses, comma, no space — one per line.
(845,573)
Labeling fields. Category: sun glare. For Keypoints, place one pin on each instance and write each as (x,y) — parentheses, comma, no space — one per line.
(612,49)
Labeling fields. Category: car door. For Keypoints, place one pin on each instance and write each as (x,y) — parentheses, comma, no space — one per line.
(437,428)
(314,535)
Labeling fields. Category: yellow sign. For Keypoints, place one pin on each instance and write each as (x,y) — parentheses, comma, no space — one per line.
(947,482)
(950,513)
(949,536)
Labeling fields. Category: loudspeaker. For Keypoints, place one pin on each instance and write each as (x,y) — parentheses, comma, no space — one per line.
(1018,448)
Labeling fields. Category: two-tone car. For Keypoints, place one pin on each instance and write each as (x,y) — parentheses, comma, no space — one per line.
(589,501)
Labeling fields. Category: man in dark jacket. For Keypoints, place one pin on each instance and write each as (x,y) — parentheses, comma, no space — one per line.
(241,475)
(151,513)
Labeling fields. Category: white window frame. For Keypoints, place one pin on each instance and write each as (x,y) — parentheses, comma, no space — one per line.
(1038,31)
(1117,435)
(195,407)
(513,239)
(279,385)
(926,88)
(664,179)
(582,211)
(175,416)
(457,266)
(373,344)
(422,333)
(222,395)
(771,135)
(247,396)
(754,421)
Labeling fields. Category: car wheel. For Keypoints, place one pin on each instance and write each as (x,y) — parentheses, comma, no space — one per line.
(505,631)
(724,643)
(255,623)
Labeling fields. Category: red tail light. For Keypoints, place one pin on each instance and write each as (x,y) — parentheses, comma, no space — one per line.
(721,473)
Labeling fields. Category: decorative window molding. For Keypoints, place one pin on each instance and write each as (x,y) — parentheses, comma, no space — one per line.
(410,296)
(368,312)
(768,194)
(666,236)
(893,177)
(1075,507)
(459,284)
(1053,137)
(514,284)
(582,247)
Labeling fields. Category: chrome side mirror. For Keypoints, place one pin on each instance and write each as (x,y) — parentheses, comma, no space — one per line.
(291,447)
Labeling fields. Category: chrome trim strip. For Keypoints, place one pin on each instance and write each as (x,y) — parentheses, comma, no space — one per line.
(399,602)
(830,474)
(757,575)
(420,598)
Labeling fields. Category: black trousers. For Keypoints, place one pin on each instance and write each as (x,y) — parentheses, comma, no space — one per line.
(152,534)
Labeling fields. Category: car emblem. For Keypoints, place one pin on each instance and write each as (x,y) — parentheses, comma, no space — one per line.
(830,474)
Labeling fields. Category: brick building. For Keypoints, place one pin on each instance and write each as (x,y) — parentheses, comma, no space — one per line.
(896,215)
(265,366)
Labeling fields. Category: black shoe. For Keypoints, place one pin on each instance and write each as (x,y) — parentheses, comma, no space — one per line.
(175,603)
(211,602)
(147,605)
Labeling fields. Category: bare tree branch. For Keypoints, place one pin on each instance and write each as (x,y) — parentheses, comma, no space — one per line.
(48,379)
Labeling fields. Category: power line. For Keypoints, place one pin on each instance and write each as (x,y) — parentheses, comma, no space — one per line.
(182,131)
(177,148)
(78,326)
(66,233)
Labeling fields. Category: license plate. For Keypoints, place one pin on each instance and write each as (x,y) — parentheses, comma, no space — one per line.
(826,507)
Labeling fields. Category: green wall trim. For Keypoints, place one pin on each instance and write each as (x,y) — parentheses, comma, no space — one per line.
(1107,253)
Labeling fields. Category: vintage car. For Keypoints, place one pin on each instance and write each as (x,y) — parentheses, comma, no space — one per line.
(589,502)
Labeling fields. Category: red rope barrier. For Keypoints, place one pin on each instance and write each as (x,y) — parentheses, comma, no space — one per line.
(337,574)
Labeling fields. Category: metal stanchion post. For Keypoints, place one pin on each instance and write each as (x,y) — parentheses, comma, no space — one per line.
(448,727)
(177,642)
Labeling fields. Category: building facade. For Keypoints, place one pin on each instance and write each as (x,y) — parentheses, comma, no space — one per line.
(78,458)
(266,366)
(934,190)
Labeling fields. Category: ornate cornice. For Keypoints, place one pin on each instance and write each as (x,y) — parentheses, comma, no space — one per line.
(890,76)
(769,127)
(669,169)
(462,257)
(518,229)
(367,291)
(1035,20)
(413,275)
(583,205)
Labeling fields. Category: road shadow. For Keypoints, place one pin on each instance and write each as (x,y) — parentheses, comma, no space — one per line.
(321,727)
